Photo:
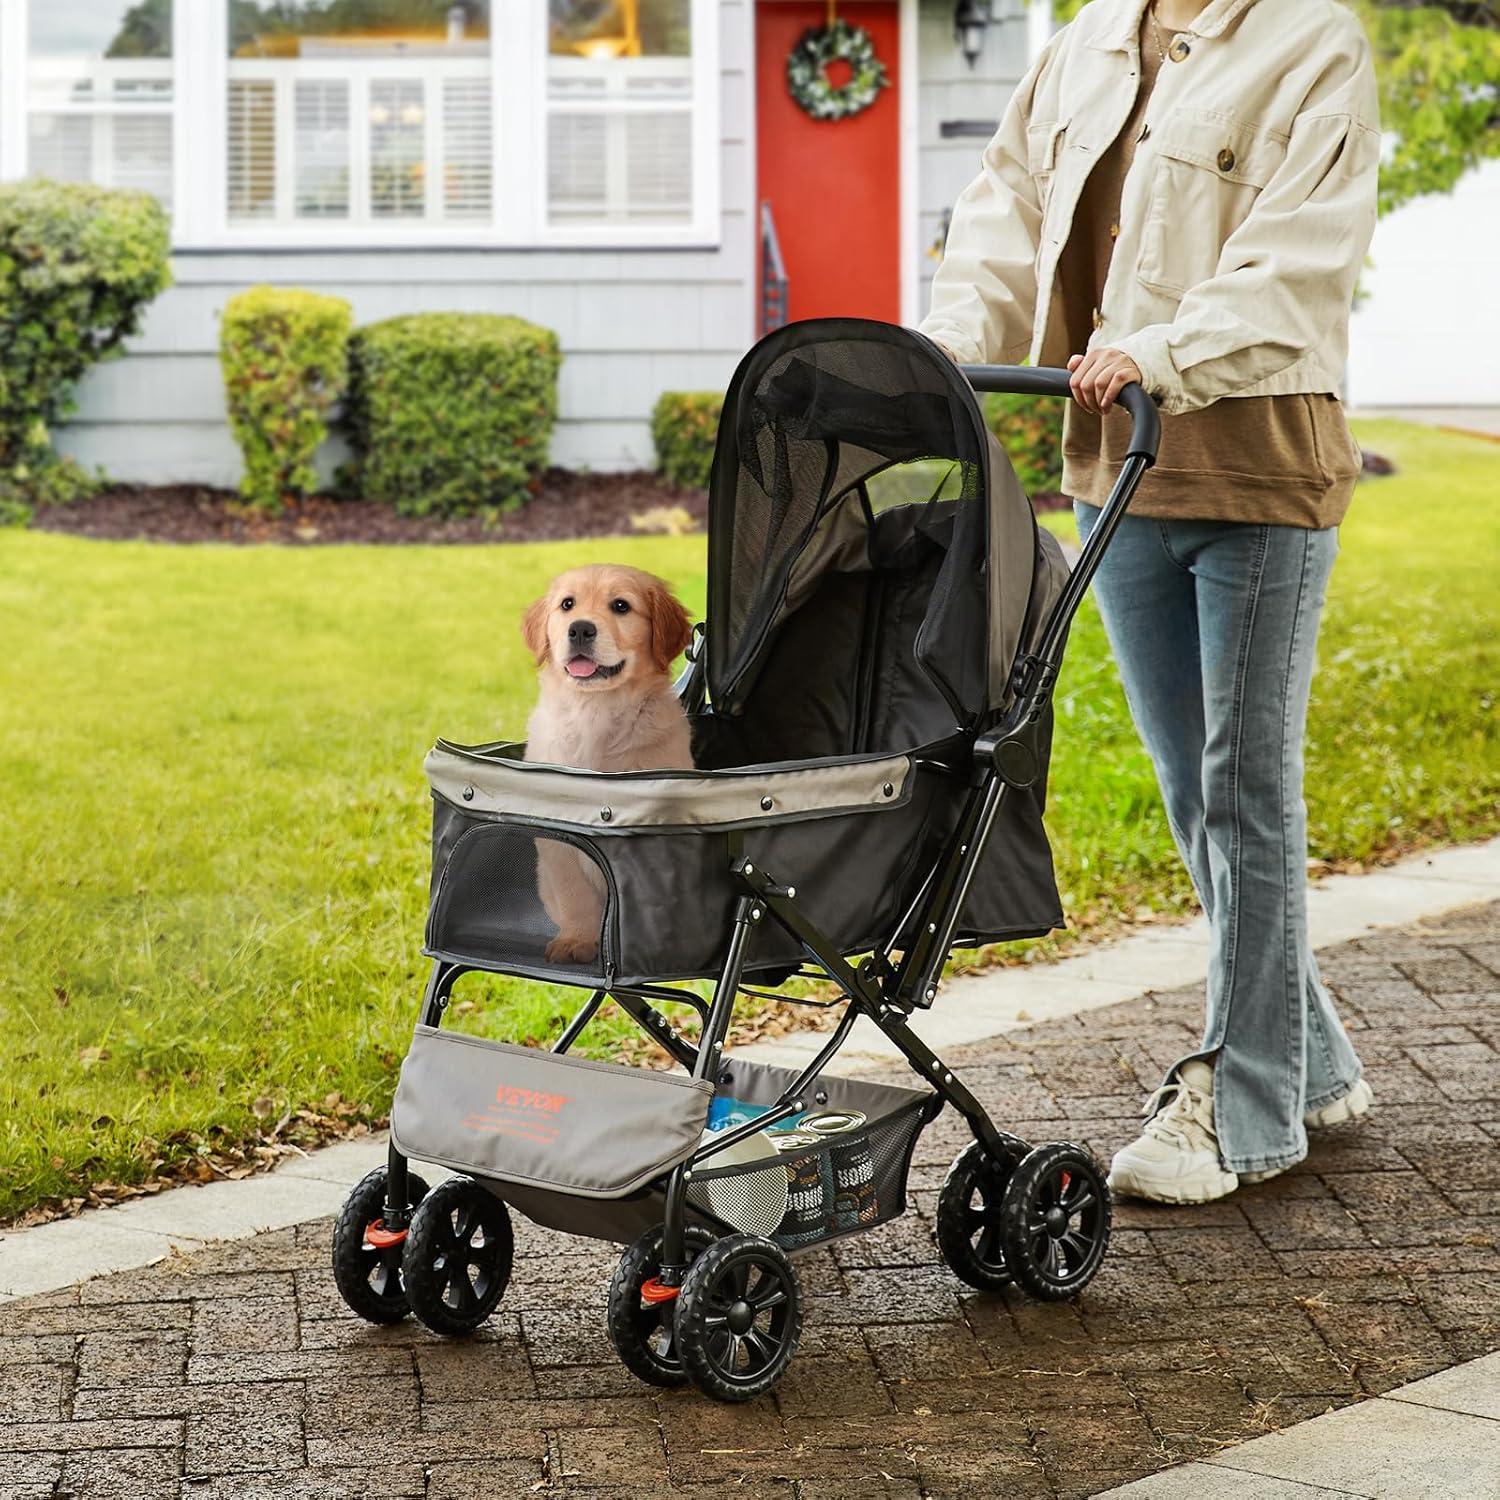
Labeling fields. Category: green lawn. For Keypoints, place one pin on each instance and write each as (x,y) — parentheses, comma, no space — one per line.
(214,826)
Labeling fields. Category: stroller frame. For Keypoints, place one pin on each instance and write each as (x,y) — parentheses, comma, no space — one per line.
(1006,756)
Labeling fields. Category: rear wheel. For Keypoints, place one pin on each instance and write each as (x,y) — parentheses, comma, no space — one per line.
(1055,1220)
(968,1219)
(457,1260)
(642,1324)
(739,1316)
(366,1257)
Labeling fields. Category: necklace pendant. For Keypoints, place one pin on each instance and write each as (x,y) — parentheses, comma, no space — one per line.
(1178,48)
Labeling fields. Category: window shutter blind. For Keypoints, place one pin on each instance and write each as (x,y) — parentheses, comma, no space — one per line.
(467,148)
(252,150)
(398,164)
(321,152)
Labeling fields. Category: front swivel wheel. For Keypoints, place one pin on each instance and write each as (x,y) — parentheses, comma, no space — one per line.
(642,1313)
(738,1319)
(367,1256)
(458,1254)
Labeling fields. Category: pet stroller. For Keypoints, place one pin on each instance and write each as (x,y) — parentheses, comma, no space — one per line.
(869,701)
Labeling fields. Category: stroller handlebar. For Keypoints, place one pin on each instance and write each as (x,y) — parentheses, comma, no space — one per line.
(1041,380)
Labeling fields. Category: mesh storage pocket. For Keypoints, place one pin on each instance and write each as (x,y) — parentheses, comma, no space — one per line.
(847,1182)
(526,899)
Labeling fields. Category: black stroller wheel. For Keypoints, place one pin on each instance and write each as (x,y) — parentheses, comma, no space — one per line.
(1054,1221)
(642,1328)
(458,1255)
(739,1316)
(368,1275)
(968,1219)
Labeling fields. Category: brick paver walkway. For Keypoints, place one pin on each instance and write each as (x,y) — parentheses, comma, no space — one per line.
(237,1372)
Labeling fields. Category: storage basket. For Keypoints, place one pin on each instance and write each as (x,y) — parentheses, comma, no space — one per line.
(840,1184)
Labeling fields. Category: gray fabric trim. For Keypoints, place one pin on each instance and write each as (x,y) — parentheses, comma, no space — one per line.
(568,1124)
(671,799)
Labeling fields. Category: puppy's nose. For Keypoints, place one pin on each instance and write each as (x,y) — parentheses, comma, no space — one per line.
(581,633)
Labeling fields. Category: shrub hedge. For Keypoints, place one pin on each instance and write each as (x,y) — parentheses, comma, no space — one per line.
(451,413)
(78,264)
(684,425)
(1030,431)
(285,358)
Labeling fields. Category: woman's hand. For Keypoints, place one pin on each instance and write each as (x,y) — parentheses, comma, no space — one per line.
(1099,376)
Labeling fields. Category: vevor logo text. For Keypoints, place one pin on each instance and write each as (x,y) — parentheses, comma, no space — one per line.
(532,1099)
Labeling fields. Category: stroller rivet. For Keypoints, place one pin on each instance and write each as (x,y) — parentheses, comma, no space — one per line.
(605,814)
(931,994)
(749,868)
(889,790)
(766,804)
(932,927)
(791,892)
(468,794)
(755,913)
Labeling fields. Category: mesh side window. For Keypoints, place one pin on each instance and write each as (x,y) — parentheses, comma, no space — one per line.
(523,898)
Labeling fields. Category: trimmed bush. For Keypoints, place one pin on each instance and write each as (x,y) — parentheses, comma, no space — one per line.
(1030,431)
(684,425)
(451,413)
(78,264)
(285,356)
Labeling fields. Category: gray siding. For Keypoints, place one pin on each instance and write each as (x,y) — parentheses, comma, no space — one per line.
(633,323)
(948,89)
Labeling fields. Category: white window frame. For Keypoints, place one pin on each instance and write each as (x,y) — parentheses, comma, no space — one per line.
(518,31)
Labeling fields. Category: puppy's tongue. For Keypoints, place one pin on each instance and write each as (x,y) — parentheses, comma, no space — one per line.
(582,666)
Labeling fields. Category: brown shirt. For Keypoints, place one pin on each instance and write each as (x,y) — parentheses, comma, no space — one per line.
(1287,460)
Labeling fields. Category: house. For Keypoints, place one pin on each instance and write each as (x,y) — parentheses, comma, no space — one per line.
(634,174)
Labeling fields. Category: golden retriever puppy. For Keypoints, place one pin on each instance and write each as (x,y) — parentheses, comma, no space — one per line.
(604,638)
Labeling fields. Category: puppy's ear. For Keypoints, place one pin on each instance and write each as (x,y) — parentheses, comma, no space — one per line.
(534,629)
(671,626)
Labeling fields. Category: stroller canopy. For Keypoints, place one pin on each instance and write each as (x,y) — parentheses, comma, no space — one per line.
(817,415)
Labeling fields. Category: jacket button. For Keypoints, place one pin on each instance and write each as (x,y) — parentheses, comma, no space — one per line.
(1226,160)
(605,814)
(766,804)
(468,794)
(1178,49)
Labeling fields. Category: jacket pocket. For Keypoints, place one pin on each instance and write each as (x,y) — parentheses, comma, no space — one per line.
(1043,147)
(1207,169)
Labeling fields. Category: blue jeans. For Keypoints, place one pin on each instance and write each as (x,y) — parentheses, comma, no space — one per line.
(1213,625)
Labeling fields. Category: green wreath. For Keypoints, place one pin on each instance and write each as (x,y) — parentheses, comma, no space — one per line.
(807,78)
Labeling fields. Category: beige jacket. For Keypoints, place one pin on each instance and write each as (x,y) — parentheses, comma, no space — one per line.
(1244,219)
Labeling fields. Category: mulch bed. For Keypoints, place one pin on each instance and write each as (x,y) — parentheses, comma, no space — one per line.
(566,505)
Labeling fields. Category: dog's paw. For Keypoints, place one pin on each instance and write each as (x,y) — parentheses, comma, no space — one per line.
(566,948)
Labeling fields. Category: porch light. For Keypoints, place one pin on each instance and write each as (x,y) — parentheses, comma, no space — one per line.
(970,19)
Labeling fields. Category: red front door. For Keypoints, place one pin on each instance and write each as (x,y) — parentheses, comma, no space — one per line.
(834,186)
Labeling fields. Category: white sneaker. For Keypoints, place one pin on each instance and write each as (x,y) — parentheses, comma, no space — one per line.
(1340,1111)
(1176,1157)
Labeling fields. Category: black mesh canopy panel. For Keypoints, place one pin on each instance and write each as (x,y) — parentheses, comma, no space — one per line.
(815,417)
